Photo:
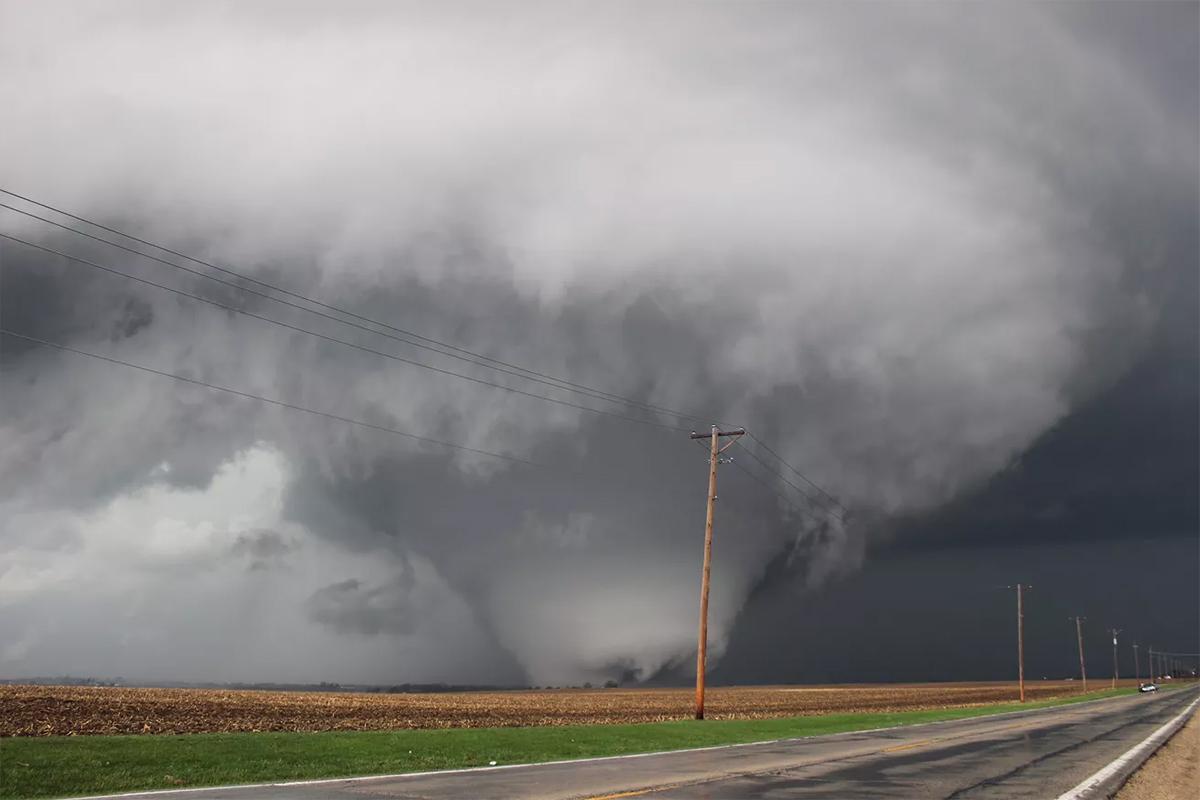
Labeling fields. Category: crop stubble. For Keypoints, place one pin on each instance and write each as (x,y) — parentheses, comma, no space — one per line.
(80,710)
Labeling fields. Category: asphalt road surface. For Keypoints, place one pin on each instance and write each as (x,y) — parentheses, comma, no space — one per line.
(1032,754)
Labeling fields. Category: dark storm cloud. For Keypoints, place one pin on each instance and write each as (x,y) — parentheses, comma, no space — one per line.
(900,244)
(946,616)
(1124,465)
(1101,515)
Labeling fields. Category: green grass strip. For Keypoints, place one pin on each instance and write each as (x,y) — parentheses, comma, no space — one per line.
(61,766)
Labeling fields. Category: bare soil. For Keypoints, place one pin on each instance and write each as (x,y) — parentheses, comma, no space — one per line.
(80,710)
(1173,773)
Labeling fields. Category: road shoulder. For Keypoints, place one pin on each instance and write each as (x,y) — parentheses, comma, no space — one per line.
(1174,771)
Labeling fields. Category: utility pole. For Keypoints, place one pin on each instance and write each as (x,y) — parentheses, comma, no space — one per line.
(714,458)
(1137,668)
(1079,637)
(1116,668)
(1020,637)
(1150,663)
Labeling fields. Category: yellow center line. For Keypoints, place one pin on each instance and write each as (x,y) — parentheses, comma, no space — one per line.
(639,792)
(662,787)
(911,745)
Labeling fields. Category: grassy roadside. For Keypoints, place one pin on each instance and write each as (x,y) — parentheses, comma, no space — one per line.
(61,766)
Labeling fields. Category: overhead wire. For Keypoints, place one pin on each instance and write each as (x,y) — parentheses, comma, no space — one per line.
(333,339)
(424,342)
(786,500)
(272,401)
(264,295)
(805,512)
(806,495)
(803,477)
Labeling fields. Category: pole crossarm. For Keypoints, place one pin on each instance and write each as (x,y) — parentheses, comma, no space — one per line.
(734,432)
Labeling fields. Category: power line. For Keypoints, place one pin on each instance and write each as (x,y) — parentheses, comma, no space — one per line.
(333,339)
(597,395)
(767,468)
(772,490)
(803,493)
(804,477)
(503,366)
(272,401)
(786,501)
(430,344)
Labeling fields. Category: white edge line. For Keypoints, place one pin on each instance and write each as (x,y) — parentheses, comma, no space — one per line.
(1139,751)
(460,770)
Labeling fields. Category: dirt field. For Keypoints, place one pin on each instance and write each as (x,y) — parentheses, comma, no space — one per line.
(74,710)
(1172,772)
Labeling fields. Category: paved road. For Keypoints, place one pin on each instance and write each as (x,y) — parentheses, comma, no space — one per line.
(1035,754)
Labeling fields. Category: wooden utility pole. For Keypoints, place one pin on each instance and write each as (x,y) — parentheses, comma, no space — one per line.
(1150,664)
(714,458)
(1116,667)
(1079,637)
(1137,668)
(1021,640)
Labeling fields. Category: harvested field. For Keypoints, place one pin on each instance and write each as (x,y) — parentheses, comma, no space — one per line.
(80,710)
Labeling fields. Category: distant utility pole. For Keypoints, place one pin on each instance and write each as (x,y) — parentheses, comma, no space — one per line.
(1137,668)
(1150,664)
(1079,637)
(714,458)
(1114,632)
(1020,638)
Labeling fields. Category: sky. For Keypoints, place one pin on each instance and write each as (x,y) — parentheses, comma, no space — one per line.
(940,258)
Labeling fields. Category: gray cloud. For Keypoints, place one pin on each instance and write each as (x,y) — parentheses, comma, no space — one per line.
(350,606)
(263,549)
(898,245)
